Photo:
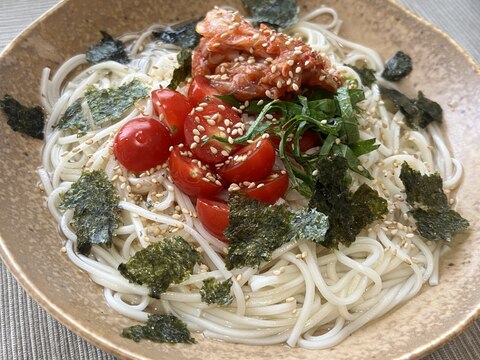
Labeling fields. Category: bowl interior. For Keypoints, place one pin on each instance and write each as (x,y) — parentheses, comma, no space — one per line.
(30,244)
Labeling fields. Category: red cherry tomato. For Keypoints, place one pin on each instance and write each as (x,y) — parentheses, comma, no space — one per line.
(308,140)
(142,144)
(213,120)
(201,91)
(214,216)
(251,163)
(172,107)
(189,174)
(274,187)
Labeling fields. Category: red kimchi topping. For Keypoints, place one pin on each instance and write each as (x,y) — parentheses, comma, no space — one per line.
(252,64)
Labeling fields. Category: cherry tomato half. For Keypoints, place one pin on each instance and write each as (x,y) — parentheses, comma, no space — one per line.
(213,120)
(142,144)
(190,175)
(251,163)
(308,140)
(201,91)
(274,187)
(214,216)
(172,107)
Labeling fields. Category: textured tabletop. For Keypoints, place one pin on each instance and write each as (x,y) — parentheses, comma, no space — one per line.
(28,332)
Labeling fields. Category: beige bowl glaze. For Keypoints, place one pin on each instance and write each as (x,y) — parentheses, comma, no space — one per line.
(30,244)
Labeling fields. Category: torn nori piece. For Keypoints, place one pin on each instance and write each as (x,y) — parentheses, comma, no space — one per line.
(161,329)
(276,13)
(366,74)
(256,230)
(419,112)
(183,36)
(430,110)
(104,105)
(107,49)
(169,261)
(430,208)
(94,202)
(184,70)
(216,292)
(348,213)
(397,67)
(27,120)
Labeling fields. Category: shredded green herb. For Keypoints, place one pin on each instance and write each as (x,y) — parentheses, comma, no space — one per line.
(161,329)
(94,202)
(347,212)
(166,262)
(27,120)
(184,70)
(255,230)
(430,208)
(215,292)
(104,105)
(107,49)
(333,118)
(183,36)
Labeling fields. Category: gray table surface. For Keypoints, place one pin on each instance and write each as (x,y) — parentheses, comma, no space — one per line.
(29,332)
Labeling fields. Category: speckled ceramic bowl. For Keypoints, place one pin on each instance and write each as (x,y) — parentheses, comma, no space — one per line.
(30,244)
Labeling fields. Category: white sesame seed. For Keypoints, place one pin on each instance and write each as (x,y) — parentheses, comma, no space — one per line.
(273,68)
(298,70)
(295,87)
(213,150)
(323,122)
(224,153)
(315,172)
(199,108)
(196,138)
(239,277)
(290,62)
(196,132)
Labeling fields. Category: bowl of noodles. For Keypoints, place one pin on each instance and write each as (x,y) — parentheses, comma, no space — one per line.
(397,289)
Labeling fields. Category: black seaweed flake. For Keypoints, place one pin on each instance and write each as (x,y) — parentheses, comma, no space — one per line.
(418,112)
(184,70)
(166,262)
(95,204)
(216,292)
(161,329)
(366,74)
(397,67)
(347,212)
(277,13)
(107,49)
(27,120)
(430,208)
(183,36)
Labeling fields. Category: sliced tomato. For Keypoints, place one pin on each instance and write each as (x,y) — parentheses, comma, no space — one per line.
(142,144)
(172,107)
(212,120)
(214,216)
(251,163)
(274,187)
(201,91)
(190,175)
